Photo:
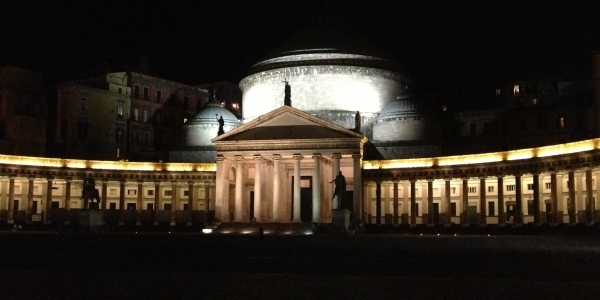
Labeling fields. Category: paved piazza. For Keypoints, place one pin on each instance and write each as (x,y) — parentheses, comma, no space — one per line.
(186,266)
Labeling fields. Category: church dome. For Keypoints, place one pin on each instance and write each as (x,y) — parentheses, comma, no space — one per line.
(400,120)
(203,127)
(401,108)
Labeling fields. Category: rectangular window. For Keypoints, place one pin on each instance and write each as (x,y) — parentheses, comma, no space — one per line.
(112,192)
(453,190)
(149,206)
(530,186)
(136,114)
(131,206)
(516,89)
(120,90)
(491,209)
(112,205)
(472,189)
(510,187)
(167,206)
(186,193)
(490,189)
(185,206)
(150,193)
(136,91)
(530,207)
(120,134)
(548,185)
(146,93)
(158,96)
(118,152)
(561,123)
(168,193)
(131,192)
(83,104)
(453,211)
(145,115)
(498,91)
(119,111)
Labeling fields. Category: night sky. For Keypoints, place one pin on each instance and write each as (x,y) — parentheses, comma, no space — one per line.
(440,44)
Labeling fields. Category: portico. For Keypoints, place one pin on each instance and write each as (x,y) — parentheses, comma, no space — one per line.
(279,168)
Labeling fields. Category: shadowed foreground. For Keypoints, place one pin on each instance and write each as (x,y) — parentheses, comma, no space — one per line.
(167,266)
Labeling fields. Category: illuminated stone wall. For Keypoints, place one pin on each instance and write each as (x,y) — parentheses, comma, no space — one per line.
(322,88)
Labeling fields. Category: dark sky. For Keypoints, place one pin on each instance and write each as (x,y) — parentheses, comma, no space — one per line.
(439,43)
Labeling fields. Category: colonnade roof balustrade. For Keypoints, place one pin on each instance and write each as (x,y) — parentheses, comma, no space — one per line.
(558,157)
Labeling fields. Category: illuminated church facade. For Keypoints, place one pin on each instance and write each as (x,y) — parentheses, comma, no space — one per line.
(351,110)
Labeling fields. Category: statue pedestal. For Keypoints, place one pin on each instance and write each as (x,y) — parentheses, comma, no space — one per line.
(340,220)
(91,219)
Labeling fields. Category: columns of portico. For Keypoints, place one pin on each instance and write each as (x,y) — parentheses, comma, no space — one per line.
(239,188)
(536,199)
(174,195)
(447,200)
(335,171)
(30,197)
(316,188)
(49,181)
(579,198)
(121,201)
(11,197)
(482,201)
(571,201)
(501,212)
(140,197)
(430,217)
(68,182)
(276,188)
(207,202)
(413,203)
(554,198)
(257,187)
(191,198)
(395,202)
(357,185)
(405,201)
(465,201)
(221,204)
(378,202)
(518,200)
(156,201)
(296,203)
(589,190)
(104,194)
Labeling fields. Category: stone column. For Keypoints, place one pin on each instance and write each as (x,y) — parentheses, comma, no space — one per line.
(68,182)
(121,201)
(518,200)
(221,203)
(448,200)
(413,203)
(30,199)
(276,186)
(465,201)
(589,191)
(501,212)
(554,198)
(536,199)
(482,201)
(174,195)
(395,202)
(104,194)
(430,218)
(140,197)
(257,187)
(191,198)
(405,201)
(357,193)
(296,203)
(49,198)
(378,202)
(316,188)
(239,188)
(207,202)
(156,201)
(579,207)
(335,171)
(571,202)
(11,197)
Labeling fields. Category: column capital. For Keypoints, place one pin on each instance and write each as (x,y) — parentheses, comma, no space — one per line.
(122,180)
(257,157)
(220,158)
(68,179)
(356,156)
(297,156)
(239,158)
(31,177)
(140,181)
(316,156)
(50,178)
(336,156)
(276,157)
(500,176)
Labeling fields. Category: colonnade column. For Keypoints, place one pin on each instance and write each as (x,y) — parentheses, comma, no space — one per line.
(140,197)
(413,203)
(395,202)
(156,201)
(465,201)
(482,202)
(447,199)
(30,198)
(49,198)
(518,200)
(589,191)
(536,199)
(501,212)
(191,198)
(257,187)
(221,203)
(207,202)
(378,202)
(571,202)
(68,182)
(554,198)
(430,217)
(276,193)
(296,203)
(357,193)
(121,201)
(335,171)
(174,195)
(11,197)
(316,188)
(104,195)
(239,188)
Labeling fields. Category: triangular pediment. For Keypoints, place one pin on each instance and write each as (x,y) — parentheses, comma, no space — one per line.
(287,123)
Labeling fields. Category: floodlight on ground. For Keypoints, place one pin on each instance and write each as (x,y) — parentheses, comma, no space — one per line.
(207,230)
